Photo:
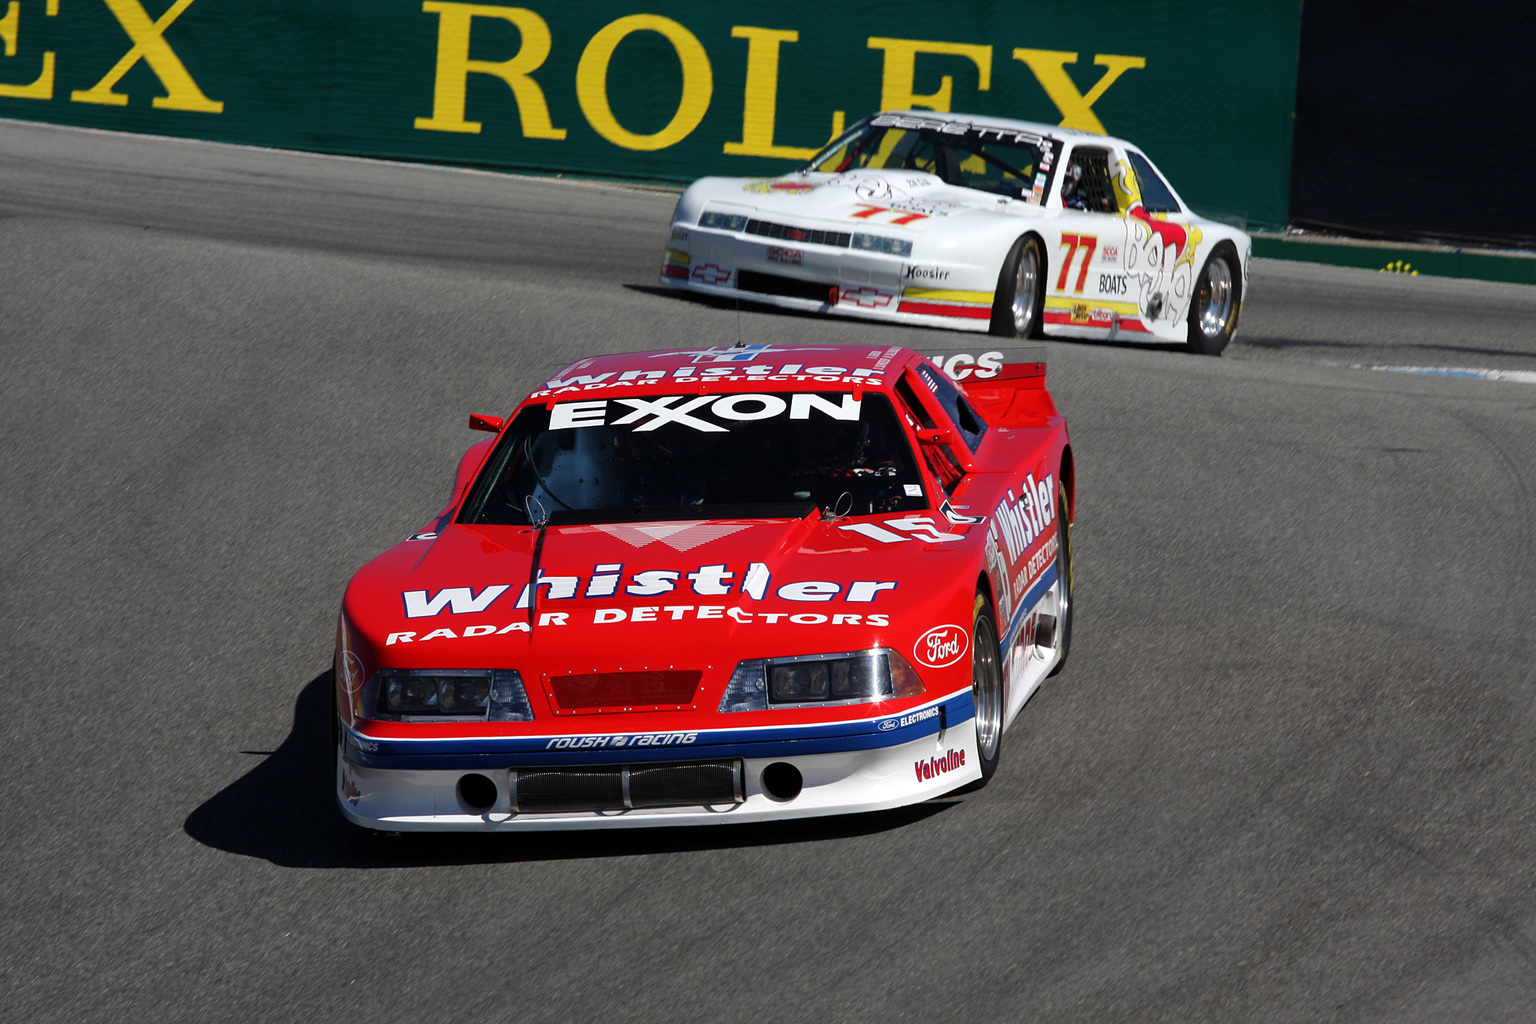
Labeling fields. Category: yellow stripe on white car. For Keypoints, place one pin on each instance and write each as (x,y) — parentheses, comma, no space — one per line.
(945,295)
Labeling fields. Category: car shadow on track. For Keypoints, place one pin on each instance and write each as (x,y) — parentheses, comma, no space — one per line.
(748,306)
(284,810)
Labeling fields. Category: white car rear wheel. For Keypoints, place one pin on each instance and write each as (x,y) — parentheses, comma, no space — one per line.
(1218,296)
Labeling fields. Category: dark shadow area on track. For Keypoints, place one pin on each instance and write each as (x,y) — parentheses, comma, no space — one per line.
(284,810)
(749,306)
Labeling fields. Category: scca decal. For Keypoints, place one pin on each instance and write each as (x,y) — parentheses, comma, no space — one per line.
(648,414)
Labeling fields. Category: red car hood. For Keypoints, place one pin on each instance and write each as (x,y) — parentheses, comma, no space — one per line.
(653,596)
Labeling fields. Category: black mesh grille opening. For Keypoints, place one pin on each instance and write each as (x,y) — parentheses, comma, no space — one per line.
(1095,187)
(810,236)
(683,785)
(570,789)
(773,284)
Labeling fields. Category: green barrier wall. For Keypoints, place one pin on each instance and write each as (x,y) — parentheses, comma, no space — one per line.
(1402,258)
(667,92)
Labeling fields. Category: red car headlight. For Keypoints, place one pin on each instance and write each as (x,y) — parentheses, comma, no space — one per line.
(820,680)
(445,695)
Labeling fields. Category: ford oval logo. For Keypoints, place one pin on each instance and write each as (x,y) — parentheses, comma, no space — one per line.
(941,646)
(887,725)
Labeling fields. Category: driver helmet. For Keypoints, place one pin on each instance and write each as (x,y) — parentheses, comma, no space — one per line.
(1070,178)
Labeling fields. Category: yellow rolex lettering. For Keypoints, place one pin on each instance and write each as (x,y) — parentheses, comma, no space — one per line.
(454,68)
(40,88)
(897,81)
(1050,69)
(592,82)
(760,104)
(9,26)
(181,92)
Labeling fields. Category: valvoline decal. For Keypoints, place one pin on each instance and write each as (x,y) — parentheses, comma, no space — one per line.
(941,646)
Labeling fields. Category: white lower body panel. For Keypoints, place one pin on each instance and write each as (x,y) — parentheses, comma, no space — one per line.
(405,800)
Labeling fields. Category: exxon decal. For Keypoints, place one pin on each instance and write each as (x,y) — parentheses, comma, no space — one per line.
(644,414)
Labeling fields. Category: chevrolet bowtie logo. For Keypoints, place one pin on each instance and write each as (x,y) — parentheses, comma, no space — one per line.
(710,273)
(870,298)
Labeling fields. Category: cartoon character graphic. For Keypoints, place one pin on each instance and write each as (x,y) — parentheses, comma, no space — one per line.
(873,188)
(1159,253)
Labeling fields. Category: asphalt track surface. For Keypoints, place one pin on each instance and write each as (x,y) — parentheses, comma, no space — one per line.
(1286,776)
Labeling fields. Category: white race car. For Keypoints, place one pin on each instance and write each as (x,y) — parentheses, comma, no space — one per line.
(969,223)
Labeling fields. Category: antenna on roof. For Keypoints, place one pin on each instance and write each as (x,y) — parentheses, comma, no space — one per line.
(739,342)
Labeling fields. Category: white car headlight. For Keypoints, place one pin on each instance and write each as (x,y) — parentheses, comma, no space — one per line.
(879,243)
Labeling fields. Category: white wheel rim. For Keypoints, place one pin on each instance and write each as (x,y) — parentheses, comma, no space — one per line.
(1024,292)
(987,693)
(1215,309)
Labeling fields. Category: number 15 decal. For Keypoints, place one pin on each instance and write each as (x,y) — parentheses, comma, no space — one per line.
(1072,243)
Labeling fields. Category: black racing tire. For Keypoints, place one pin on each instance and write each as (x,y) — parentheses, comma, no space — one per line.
(1064,572)
(1214,306)
(987,688)
(335,729)
(1019,303)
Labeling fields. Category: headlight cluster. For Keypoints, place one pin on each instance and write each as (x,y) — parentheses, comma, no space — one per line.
(820,680)
(879,243)
(446,695)
(724,221)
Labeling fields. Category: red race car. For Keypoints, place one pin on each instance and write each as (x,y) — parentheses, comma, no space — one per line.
(716,585)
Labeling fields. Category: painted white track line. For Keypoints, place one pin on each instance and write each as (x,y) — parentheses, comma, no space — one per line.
(1517,376)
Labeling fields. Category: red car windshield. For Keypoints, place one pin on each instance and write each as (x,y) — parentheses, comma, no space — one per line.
(692,456)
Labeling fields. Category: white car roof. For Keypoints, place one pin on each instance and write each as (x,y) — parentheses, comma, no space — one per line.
(1010,124)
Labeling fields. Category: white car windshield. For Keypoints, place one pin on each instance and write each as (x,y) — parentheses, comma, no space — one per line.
(692,456)
(1000,160)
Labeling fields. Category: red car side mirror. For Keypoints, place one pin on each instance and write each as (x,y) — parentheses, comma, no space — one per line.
(489,424)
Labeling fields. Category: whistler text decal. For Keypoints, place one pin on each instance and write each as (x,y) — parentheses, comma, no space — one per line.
(646,414)
(1021,520)
(706,580)
(738,365)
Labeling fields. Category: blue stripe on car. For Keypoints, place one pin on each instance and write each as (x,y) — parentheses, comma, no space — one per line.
(781,741)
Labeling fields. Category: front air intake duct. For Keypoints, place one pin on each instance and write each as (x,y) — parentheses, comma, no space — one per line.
(626,787)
